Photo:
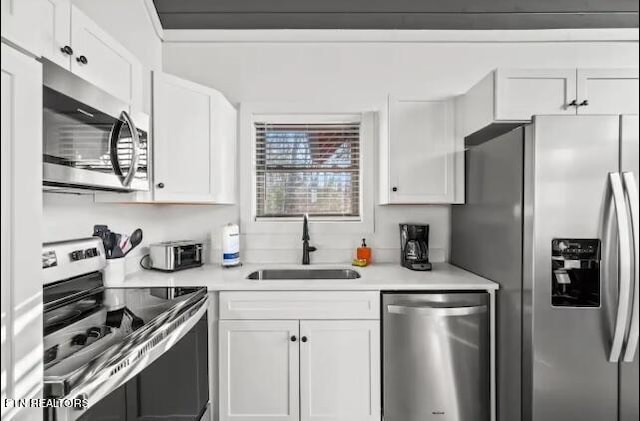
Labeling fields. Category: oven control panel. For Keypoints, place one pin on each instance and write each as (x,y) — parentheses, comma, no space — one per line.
(82,254)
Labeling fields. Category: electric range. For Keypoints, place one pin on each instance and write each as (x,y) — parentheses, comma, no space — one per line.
(97,338)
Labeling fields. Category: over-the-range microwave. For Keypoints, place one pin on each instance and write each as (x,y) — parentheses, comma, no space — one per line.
(91,140)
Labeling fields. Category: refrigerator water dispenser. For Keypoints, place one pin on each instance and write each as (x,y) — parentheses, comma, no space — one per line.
(575,279)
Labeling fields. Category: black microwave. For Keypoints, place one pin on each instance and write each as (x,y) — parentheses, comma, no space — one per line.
(91,140)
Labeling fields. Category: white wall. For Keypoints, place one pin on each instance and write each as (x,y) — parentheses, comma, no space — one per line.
(326,71)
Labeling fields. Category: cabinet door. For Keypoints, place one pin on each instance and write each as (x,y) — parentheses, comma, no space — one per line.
(608,91)
(340,370)
(19,19)
(183,152)
(41,27)
(259,371)
(101,60)
(54,31)
(21,217)
(522,93)
(421,153)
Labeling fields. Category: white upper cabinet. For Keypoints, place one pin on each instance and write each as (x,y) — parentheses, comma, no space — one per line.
(608,91)
(340,370)
(194,135)
(100,59)
(62,33)
(519,94)
(55,31)
(418,159)
(42,27)
(515,95)
(18,18)
(21,232)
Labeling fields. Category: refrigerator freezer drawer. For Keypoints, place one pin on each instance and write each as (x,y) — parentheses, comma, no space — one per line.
(436,357)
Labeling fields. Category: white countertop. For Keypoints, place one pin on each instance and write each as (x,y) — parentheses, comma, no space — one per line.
(376,277)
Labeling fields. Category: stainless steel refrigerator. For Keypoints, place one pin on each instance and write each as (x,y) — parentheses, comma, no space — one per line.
(551,213)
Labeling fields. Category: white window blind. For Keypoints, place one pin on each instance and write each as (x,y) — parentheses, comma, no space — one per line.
(307,168)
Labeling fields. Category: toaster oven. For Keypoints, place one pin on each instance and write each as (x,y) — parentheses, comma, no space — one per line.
(170,256)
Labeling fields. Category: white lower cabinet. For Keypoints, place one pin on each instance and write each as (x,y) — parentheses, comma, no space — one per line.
(259,370)
(325,369)
(340,370)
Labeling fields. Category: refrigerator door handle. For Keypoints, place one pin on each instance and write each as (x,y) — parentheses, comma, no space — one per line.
(624,243)
(632,194)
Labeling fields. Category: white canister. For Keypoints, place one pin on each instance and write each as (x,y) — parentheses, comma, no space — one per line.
(114,272)
(230,245)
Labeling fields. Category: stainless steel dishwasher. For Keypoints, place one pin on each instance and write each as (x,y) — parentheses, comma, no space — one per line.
(436,357)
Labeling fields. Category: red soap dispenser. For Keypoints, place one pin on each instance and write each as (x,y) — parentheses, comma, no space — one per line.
(364,252)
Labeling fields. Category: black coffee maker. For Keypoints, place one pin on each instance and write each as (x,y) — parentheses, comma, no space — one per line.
(414,246)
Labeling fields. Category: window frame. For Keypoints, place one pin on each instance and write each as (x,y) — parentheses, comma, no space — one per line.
(309,119)
(250,113)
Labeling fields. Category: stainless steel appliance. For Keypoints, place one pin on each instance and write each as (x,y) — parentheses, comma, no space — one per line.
(91,140)
(414,246)
(435,357)
(551,214)
(114,350)
(171,256)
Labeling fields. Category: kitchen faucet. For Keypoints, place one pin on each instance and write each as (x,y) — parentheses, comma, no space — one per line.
(306,248)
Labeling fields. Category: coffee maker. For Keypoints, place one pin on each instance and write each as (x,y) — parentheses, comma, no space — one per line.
(414,246)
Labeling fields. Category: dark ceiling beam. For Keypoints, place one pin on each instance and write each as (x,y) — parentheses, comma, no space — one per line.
(395,6)
(397,14)
(396,21)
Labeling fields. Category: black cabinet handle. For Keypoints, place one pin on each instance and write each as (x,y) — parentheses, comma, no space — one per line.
(67,50)
(304,339)
(82,60)
(584,103)
(160,185)
(293,338)
(394,189)
(573,103)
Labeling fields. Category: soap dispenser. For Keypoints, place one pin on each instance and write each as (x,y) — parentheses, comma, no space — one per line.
(364,252)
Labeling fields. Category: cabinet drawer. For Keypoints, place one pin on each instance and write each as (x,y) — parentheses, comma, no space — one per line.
(299,305)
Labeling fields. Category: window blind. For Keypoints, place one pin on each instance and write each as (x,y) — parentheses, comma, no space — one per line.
(307,168)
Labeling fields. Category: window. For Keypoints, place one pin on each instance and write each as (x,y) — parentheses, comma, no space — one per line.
(307,167)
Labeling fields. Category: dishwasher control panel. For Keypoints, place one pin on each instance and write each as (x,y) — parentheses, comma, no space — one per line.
(575,277)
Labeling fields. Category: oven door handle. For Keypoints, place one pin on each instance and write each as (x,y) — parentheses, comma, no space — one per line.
(135,146)
(152,345)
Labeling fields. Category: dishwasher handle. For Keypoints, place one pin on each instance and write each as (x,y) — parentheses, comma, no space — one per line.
(431,311)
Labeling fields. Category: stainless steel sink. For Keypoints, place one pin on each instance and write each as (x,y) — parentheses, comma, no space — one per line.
(302,274)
